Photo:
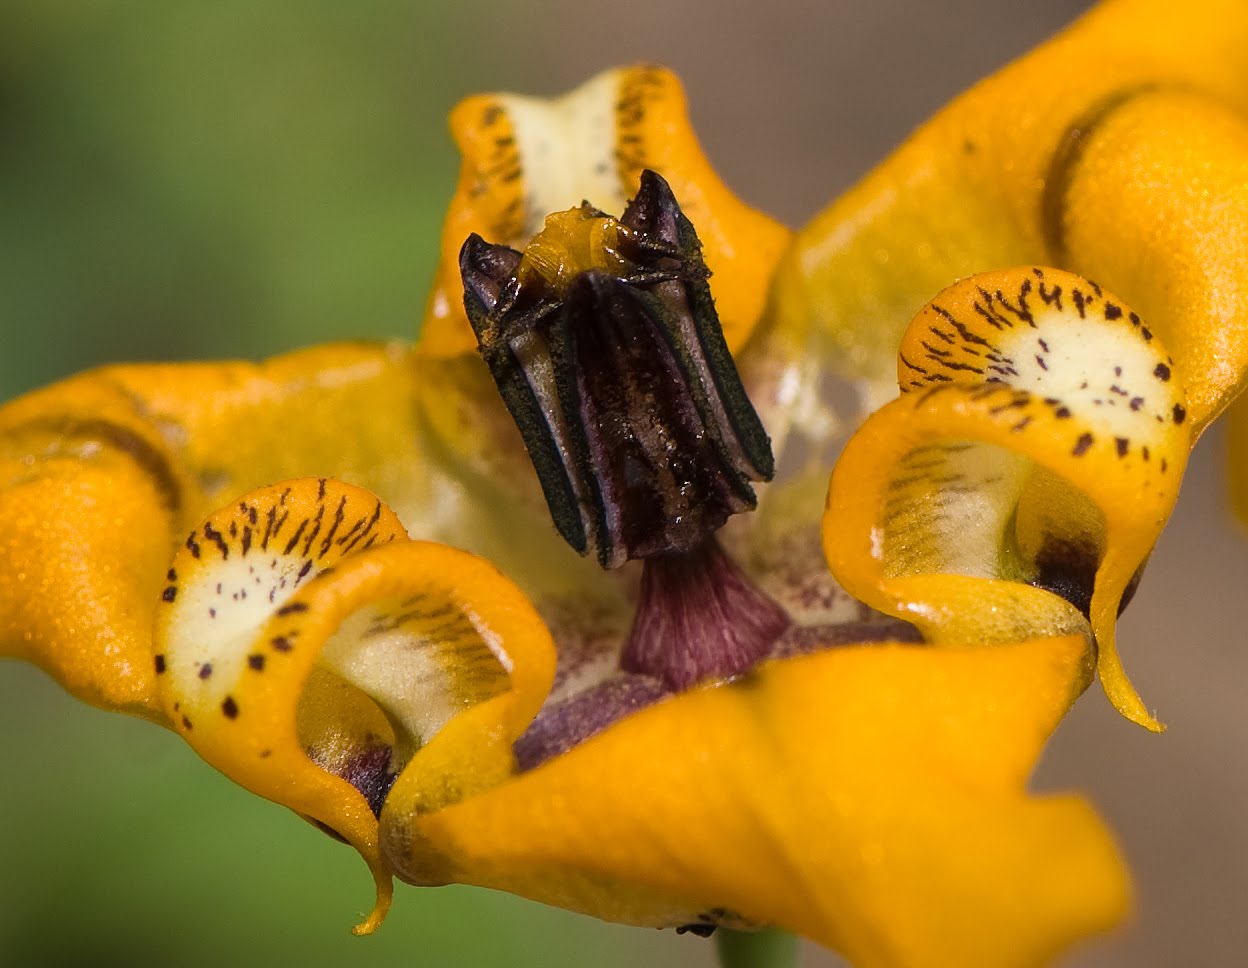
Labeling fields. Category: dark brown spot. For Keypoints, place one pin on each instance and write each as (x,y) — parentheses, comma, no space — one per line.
(292,608)
(1123,445)
(160,664)
(229,707)
(1067,567)
(256,661)
(205,670)
(1082,444)
(1162,372)
(1180,414)
(169,594)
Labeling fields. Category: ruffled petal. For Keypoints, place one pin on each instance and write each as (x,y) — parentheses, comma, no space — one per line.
(870,798)
(310,652)
(1117,150)
(1018,485)
(524,158)
(101,475)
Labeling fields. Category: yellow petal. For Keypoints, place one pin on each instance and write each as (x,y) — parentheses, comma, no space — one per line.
(1109,151)
(869,798)
(101,475)
(89,497)
(310,659)
(1041,442)
(524,158)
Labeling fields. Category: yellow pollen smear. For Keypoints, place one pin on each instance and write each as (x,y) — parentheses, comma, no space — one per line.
(573,242)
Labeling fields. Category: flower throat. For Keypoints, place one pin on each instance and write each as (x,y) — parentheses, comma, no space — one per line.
(603,340)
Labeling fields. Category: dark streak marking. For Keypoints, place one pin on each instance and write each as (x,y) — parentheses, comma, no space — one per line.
(339,516)
(1065,163)
(294,540)
(215,536)
(117,437)
(1082,444)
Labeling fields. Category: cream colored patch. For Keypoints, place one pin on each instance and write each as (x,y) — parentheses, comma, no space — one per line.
(567,149)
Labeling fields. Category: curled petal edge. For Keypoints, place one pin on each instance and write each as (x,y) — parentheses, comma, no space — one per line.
(1023,427)
(409,657)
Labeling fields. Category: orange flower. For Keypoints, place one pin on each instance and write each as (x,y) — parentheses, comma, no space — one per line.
(845,781)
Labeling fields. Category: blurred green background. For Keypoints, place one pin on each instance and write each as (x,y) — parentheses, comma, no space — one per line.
(182,180)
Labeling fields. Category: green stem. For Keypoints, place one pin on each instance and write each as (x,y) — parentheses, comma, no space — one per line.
(769,948)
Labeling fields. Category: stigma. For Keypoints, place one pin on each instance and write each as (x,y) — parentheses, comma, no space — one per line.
(603,340)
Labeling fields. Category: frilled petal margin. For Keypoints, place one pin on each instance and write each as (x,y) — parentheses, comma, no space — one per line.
(1017,486)
(871,798)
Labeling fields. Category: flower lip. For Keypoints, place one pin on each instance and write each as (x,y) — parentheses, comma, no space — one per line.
(604,343)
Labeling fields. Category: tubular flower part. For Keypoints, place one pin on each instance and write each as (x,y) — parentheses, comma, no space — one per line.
(1018,484)
(669,712)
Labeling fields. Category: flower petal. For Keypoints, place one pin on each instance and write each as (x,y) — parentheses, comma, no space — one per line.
(101,474)
(312,670)
(89,497)
(524,158)
(1020,482)
(869,798)
(1133,172)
